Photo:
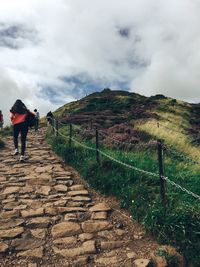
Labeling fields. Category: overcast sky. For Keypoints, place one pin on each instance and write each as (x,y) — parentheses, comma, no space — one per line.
(56,51)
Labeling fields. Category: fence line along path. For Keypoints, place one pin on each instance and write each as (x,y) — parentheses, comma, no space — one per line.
(49,216)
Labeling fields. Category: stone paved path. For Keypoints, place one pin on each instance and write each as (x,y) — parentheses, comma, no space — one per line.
(49,216)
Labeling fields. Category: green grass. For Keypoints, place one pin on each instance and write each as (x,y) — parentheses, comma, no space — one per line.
(178,224)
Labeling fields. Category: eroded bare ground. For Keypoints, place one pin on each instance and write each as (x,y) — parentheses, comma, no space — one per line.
(50,217)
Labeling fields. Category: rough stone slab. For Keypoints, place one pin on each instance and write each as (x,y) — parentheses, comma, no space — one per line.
(131,255)
(60,203)
(9,214)
(40,222)
(69,182)
(51,211)
(102,215)
(58,168)
(108,235)
(86,248)
(14,183)
(77,193)
(71,217)
(62,174)
(114,244)
(39,181)
(10,206)
(26,190)
(61,188)
(39,233)
(44,190)
(77,187)
(70,209)
(32,213)
(93,226)
(81,198)
(107,261)
(43,169)
(11,190)
(120,232)
(3,247)
(65,229)
(100,207)
(81,261)
(33,253)
(26,178)
(75,204)
(20,207)
(5,201)
(84,237)
(31,264)
(141,262)
(10,233)
(2,179)
(26,244)
(6,224)
(65,240)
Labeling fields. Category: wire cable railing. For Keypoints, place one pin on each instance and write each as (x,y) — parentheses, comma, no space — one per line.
(127,165)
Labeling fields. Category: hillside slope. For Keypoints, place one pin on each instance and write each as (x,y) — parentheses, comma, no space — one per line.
(126,165)
(174,121)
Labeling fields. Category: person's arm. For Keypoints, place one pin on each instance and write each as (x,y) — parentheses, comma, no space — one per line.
(11,116)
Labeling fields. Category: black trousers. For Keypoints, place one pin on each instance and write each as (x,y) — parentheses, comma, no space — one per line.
(36,124)
(23,129)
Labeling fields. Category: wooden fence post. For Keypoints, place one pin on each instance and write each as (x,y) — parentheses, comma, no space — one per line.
(56,126)
(52,124)
(97,146)
(70,135)
(161,173)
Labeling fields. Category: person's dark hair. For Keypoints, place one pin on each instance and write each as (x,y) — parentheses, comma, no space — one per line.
(35,110)
(18,107)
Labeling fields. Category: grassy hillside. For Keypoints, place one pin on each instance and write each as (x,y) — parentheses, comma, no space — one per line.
(129,125)
(179,123)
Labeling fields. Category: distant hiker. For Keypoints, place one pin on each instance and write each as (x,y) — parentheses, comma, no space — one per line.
(49,118)
(19,113)
(1,120)
(37,117)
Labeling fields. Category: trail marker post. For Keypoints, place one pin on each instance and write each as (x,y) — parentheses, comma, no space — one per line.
(56,121)
(52,124)
(70,135)
(91,125)
(161,173)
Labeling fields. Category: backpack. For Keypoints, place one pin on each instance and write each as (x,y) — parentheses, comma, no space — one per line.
(30,119)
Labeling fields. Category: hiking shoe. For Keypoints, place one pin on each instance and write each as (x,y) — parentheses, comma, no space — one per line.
(16,152)
(22,158)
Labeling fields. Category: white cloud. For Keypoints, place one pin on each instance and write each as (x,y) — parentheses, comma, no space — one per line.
(69,38)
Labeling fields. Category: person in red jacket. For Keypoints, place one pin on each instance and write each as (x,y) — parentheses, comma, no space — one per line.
(18,119)
(1,120)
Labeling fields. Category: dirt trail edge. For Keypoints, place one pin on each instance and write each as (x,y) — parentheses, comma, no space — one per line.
(50,217)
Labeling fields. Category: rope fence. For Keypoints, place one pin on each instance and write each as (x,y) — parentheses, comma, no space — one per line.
(177,154)
(161,149)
